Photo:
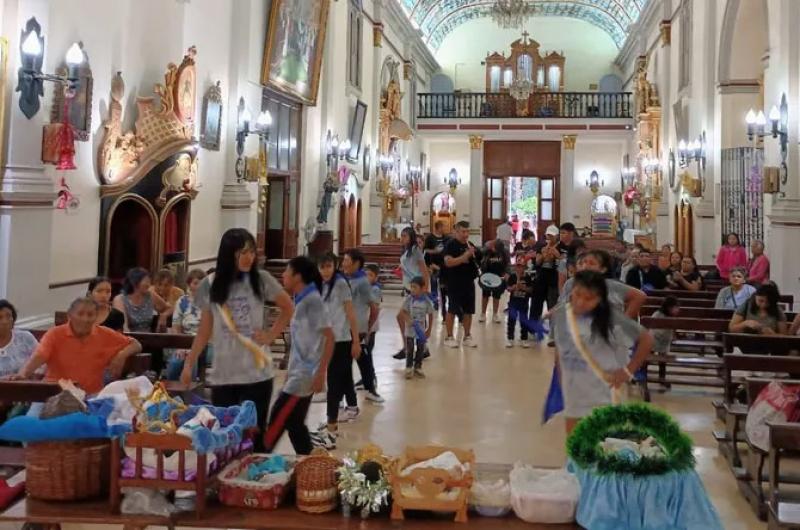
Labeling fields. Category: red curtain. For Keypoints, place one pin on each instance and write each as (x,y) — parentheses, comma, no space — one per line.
(171,239)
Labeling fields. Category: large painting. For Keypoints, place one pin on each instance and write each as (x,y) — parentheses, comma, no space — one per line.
(294,47)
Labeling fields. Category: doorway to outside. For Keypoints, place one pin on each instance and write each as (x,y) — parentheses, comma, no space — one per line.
(526,202)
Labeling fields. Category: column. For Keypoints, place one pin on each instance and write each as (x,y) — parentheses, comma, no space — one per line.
(566,206)
(26,191)
(476,189)
(663,227)
(236,199)
(783,76)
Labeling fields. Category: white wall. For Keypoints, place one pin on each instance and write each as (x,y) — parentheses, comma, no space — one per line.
(444,155)
(589,50)
(603,156)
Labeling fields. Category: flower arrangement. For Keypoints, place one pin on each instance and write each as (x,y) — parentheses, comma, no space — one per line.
(658,445)
(363,486)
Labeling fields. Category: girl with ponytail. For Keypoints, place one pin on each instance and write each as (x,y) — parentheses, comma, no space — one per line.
(593,340)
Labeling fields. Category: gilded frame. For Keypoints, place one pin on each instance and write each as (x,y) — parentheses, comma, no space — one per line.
(211,124)
(268,78)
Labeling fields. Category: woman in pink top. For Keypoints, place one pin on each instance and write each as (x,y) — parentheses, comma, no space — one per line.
(758,271)
(731,255)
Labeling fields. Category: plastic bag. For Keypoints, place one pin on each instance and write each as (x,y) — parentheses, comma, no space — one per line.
(775,403)
(146,501)
(497,493)
(543,495)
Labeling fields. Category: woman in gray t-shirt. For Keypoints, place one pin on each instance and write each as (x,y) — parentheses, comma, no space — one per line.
(761,314)
(232,312)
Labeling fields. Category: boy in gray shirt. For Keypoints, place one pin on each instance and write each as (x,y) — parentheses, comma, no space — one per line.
(417,317)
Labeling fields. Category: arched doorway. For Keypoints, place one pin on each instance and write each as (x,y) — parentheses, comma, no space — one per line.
(348,224)
(174,237)
(130,235)
(443,208)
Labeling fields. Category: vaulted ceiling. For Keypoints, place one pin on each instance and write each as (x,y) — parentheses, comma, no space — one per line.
(437,18)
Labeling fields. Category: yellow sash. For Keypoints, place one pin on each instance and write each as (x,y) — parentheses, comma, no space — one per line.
(617,394)
(261,359)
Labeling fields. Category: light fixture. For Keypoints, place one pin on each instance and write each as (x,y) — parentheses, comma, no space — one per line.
(509,14)
(594,182)
(695,151)
(452,180)
(779,121)
(335,150)
(30,79)
(628,175)
(263,124)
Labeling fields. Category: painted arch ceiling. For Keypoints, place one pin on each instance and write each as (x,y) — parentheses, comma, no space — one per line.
(437,18)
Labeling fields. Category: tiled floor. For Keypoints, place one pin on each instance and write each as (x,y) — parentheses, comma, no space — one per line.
(490,399)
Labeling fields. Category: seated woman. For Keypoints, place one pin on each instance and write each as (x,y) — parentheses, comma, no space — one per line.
(16,345)
(687,278)
(185,321)
(737,293)
(761,314)
(139,304)
(80,350)
(164,286)
(100,291)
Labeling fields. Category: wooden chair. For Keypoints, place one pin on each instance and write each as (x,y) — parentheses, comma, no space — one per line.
(784,441)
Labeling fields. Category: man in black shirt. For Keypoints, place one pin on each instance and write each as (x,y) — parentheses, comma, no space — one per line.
(460,259)
(545,288)
(568,245)
(644,275)
(434,259)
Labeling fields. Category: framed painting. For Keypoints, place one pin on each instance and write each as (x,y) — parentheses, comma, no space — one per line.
(294,47)
(211,123)
(357,130)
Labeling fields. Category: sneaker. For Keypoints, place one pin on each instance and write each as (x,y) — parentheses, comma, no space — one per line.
(349,414)
(451,342)
(426,353)
(400,355)
(482,318)
(509,343)
(409,373)
(359,385)
(498,319)
(526,344)
(324,438)
(551,344)
(469,342)
(320,397)
(374,397)
(418,373)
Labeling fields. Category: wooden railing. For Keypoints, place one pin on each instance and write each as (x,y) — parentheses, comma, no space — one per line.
(540,105)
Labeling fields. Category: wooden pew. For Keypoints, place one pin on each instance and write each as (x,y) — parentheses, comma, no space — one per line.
(760,344)
(702,312)
(684,302)
(706,295)
(733,414)
(784,440)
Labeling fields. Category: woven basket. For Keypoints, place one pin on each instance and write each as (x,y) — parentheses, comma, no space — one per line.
(235,490)
(68,470)
(316,483)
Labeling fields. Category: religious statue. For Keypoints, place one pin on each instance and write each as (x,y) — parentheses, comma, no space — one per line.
(391,126)
(646,94)
(329,187)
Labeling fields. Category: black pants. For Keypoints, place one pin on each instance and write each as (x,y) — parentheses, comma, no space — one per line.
(414,359)
(289,414)
(545,289)
(340,380)
(366,366)
(517,309)
(443,298)
(259,393)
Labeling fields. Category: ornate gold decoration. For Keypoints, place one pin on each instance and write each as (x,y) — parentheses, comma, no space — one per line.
(159,396)
(181,177)
(525,47)
(646,93)
(569,141)
(377,35)
(475,141)
(392,127)
(665,30)
(124,158)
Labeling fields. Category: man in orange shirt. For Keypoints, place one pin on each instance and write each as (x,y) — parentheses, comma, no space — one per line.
(81,351)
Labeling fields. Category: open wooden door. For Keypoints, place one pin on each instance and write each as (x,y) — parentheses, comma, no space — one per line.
(494,210)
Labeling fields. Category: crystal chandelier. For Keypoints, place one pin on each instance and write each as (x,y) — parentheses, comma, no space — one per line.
(509,14)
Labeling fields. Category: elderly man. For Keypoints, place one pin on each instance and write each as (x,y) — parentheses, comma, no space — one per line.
(758,268)
(80,350)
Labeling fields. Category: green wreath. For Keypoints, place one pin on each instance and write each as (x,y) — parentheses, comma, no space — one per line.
(634,421)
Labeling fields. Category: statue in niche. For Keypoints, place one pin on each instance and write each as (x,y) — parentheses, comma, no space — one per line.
(646,94)
(391,126)
(329,187)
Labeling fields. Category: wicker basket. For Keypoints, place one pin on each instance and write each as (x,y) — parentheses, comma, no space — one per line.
(68,470)
(234,490)
(316,483)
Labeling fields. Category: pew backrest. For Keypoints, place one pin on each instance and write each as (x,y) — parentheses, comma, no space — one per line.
(761,344)
(686,324)
(702,312)
(754,363)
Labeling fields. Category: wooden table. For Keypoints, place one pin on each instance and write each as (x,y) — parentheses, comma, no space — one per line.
(52,515)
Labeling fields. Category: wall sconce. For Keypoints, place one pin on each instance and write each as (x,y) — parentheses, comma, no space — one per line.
(30,79)
(452,180)
(779,120)
(335,150)
(594,183)
(695,151)
(385,164)
(253,170)
(628,176)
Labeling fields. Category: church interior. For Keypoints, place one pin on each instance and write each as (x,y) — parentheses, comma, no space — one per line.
(653,144)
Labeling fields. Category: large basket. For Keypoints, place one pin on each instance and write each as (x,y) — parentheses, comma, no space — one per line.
(240,492)
(316,483)
(68,470)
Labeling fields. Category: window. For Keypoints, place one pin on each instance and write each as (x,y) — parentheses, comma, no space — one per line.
(494,78)
(686,44)
(554,78)
(354,31)
(540,77)
(508,77)
(525,67)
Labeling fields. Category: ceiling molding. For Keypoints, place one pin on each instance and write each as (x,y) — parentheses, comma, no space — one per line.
(394,17)
(438,18)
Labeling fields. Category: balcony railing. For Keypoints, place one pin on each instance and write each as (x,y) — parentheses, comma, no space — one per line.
(540,105)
